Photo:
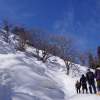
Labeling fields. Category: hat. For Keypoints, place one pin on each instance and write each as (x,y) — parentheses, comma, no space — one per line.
(88,69)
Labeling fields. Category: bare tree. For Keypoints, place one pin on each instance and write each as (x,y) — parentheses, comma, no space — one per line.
(42,44)
(48,50)
(91,60)
(67,52)
(23,36)
(36,41)
(83,58)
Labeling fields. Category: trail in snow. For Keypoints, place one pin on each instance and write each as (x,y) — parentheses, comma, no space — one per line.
(85,97)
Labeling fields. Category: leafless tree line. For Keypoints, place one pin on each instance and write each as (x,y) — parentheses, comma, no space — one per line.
(53,45)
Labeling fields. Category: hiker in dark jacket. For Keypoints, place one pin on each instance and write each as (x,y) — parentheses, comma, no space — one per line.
(91,81)
(78,86)
(97,75)
(83,82)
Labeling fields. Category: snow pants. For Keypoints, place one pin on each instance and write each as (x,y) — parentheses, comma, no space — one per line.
(92,86)
(98,85)
(78,90)
(84,87)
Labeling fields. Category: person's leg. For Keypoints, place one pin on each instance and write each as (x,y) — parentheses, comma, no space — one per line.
(86,89)
(94,88)
(98,85)
(90,89)
(83,90)
(99,88)
(77,90)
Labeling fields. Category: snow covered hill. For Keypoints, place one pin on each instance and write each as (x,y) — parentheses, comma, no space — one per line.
(28,76)
(23,77)
(5,48)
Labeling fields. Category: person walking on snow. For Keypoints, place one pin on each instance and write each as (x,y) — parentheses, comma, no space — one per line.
(97,75)
(78,86)
(83,82)
(91,81)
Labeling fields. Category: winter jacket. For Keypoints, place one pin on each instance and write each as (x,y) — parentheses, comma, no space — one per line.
(83,80)
(97,74)
(77,85)
(90,77)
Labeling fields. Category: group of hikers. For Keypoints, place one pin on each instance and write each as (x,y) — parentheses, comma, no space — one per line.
(91,80)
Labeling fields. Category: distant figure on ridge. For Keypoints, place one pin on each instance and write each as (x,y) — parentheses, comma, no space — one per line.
(91,81)
(97,75)
(83,83)
(78,86)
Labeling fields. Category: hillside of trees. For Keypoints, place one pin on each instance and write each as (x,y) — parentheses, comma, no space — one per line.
(50,45)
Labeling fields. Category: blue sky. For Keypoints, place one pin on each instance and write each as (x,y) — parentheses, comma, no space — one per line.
(77,18)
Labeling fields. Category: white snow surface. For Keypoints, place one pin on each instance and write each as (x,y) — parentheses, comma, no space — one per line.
(23,77)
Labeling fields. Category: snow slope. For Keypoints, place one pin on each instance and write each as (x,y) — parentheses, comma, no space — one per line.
(85,97)
(28,78)
(23,77)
